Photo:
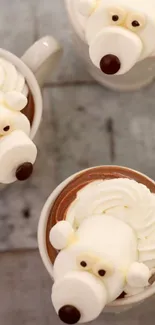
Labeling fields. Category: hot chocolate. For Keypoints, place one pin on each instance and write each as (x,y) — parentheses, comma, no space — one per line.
(104,33)
(68,195)
(12,80)
(17,151)
(29,110)
(97,240)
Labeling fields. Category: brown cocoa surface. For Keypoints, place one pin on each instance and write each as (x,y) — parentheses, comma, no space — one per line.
(29,109)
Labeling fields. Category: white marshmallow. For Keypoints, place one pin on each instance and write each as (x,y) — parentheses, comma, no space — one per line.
(131,291)
(138,275)
(112,216)
(86,7)
(112,238)
(60,234)
(15,149)
(114,285)
(15,100)
(22,123)
(81,290)
(14,120)
(98,20)
(103,243)
(109,41)
(7,120)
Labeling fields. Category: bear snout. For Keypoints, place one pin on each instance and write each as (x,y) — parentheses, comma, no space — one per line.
(78,296)
(109,50)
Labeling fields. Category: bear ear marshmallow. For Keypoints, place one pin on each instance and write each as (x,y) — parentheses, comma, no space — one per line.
(61,235)
(15,100)
(138,275)
(86,7)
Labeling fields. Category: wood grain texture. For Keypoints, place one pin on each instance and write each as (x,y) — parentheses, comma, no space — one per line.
(17,25)
(25,290)
(95,126)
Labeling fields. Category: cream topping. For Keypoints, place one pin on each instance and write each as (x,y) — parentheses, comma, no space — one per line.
(125,199)
(11,79)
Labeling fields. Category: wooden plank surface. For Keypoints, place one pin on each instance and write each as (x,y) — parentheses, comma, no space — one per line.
(95,126)
(17,25)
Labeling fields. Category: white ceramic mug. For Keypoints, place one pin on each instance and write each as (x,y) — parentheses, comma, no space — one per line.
(119,305)
(115,39)
(17,150)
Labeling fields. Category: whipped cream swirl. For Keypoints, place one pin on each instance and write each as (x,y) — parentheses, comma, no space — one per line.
(125,199)
(11,79)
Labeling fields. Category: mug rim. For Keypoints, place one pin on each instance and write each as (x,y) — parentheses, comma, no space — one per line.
(148,292)
(33,86)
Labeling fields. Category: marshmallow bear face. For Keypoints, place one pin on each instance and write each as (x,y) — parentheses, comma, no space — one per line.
(85,260)
(17,152)
(84,281)
(11,118)
(94,265)
(114,29)
(82,258)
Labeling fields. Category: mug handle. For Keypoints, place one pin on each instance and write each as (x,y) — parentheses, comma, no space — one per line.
(42,57)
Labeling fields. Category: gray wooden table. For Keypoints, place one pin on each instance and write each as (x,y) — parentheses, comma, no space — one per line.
(83,125)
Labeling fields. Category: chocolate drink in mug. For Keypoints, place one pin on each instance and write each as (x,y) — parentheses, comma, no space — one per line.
(97,240)
(21,106)
(105,31)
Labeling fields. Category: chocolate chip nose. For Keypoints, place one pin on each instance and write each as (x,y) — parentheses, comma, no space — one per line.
(24,171)
(69,314)
(110,64)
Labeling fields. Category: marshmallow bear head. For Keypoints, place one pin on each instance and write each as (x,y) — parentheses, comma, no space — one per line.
(94,265)
(11,118)
(119,32)
(17,151)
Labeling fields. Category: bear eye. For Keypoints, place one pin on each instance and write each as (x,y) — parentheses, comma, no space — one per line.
(102,272)
(117,16)
(135,22)
(102,269)
(83,264)
(85,261)
(5,128)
